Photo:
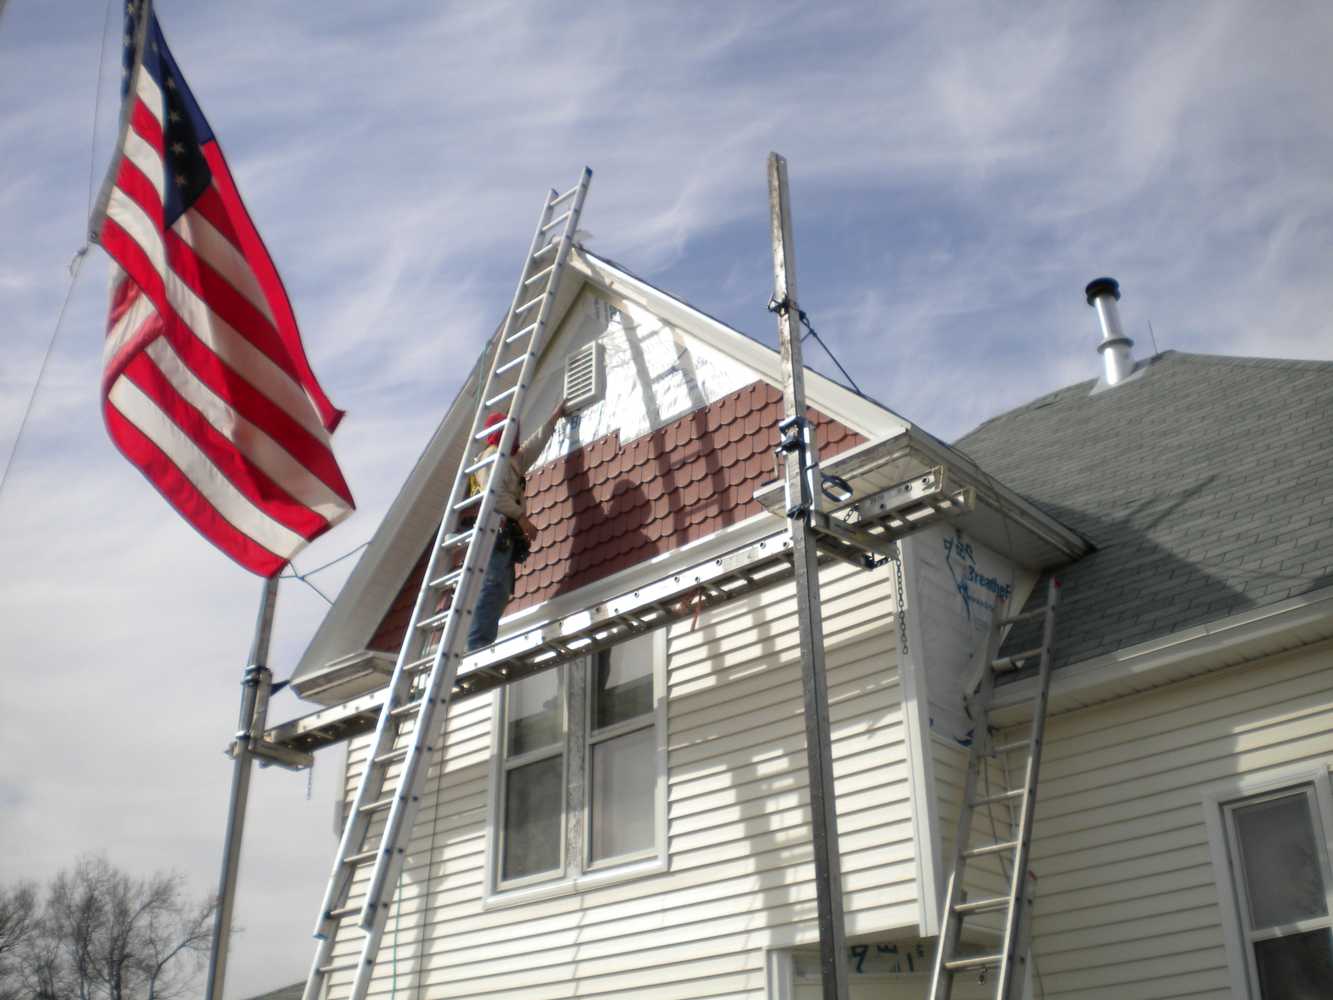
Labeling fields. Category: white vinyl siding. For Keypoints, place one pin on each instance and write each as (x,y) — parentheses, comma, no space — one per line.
(1128,898)
(987,876)
(740,875)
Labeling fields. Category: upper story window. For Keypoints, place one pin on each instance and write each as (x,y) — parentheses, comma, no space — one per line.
(581,769)
(1280,860)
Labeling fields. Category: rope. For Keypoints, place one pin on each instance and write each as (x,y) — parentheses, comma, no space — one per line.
(304,577)
(97,108)
(784,307)
(76,263)
(805,322)
(75,266)
(430,869)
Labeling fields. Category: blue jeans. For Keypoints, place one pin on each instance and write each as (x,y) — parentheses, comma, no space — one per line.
(496,588)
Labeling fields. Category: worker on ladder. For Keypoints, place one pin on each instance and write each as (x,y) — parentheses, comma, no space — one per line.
(516,530)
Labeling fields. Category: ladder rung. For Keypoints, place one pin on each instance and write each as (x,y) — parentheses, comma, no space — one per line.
(539,275)
(1016,661)
(530,304)
(356,859)
(463,537)
(1025,616)
(495,428)
(510,365)
(548,247)
(480,464)
(376,806)
(347,967)
(342,911)
(983,905)
(973,962)
(471,501)
(404,710)
(1013,793)
(449,579)
(521,333)
(556,221)
(433,622)
(984,849)
(501,397)
(417,665)
(1011,747)
(389,758)
(564,197)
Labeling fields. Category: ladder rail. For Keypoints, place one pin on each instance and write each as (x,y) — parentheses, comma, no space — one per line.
(1017,906)
(955,894)
(1027,813)
(443,674)
(427,715)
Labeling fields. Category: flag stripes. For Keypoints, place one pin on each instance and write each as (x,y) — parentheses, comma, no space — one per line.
(206,386)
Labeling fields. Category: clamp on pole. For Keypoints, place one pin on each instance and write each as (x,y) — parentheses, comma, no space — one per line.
(794,436)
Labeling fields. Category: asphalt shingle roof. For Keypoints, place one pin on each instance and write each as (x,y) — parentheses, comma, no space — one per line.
(1205,483)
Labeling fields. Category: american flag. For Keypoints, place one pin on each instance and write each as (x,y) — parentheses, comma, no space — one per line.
(206,387)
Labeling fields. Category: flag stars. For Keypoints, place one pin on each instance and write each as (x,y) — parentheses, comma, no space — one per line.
(178,148)
(174,117)
(171,83)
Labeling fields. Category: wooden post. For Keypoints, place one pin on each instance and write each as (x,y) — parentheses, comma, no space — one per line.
(802,471)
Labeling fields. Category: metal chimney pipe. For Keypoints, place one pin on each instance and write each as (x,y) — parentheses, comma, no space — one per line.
(1103,293)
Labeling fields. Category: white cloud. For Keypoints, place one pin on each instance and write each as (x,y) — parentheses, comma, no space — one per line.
(959,172)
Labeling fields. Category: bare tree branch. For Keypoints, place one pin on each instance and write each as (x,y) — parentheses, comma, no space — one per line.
(102,934)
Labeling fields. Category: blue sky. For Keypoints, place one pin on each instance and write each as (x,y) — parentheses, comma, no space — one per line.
(958,171)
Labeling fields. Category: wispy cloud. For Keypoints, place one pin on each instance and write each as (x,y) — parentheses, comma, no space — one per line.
(959,172)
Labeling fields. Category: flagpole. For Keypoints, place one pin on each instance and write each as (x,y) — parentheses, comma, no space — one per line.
(255,688)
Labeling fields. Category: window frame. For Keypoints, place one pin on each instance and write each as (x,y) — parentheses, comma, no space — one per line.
(592,737)
(1220,803)
(576,870)
(506,764)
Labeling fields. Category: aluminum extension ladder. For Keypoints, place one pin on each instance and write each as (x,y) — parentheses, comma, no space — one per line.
(1009,964)
(374,842)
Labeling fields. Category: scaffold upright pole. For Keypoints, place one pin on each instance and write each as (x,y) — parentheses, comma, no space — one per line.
(802,470)
(256,684)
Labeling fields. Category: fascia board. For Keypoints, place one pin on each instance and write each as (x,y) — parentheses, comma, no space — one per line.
(1188,652)
(375,580)
(411,519)
(862,415)
(1002,498)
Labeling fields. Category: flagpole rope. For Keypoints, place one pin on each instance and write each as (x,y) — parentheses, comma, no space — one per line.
(97,109)
(76,264)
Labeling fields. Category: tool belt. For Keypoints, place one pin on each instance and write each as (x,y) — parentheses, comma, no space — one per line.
(512,540)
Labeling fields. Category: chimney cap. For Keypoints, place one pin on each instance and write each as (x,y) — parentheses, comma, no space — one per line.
(1102,286)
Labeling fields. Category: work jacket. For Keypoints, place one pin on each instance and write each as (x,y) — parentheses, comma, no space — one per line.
(509,488)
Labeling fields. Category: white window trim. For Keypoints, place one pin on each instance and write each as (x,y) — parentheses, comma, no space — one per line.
(538,887)
(1215,798)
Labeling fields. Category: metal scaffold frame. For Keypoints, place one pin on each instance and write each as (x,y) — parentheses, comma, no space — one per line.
(880,493)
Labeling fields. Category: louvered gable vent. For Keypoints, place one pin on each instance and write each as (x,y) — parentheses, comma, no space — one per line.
(583,382)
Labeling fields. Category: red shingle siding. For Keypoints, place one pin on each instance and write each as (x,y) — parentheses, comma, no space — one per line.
(393,626)
(605,508)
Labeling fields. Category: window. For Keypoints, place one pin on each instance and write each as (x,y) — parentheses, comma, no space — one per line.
(1279,856)
(581,776)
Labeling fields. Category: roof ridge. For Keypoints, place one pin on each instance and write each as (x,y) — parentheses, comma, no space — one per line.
(1242,360)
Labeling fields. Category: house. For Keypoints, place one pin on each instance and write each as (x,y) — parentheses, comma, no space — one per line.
(633,820)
